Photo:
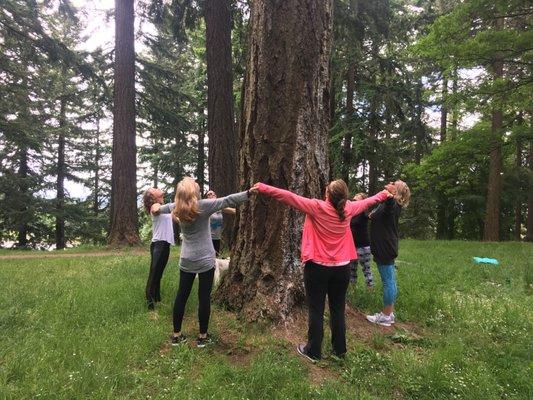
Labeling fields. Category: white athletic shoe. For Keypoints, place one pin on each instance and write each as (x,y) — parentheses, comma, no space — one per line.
(381,319)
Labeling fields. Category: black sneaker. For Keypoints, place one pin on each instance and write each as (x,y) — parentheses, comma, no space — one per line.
(177,340)
(301,351)
(202,342)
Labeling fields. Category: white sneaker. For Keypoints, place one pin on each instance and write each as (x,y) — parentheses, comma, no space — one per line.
(381,319)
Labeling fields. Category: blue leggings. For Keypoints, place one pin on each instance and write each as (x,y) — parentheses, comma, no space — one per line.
(388,277)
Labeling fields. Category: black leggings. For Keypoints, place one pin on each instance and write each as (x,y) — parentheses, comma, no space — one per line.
(159,252)
(204,298)
(321,281)
(216,245)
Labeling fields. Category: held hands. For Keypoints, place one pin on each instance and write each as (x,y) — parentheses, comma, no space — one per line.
(389,194)
(254,189)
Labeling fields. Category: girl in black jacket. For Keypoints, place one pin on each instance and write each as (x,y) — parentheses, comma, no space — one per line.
(384,245)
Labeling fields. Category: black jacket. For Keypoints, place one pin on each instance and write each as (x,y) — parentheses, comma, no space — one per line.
(359,228)
(384,231)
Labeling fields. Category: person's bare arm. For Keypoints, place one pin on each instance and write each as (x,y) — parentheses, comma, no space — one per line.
(154,210)
(157,208)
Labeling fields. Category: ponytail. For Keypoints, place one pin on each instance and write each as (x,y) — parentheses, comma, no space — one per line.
(339,207)
(338,194)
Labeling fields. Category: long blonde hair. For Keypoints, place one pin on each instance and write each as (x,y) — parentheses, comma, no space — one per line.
(403,193)
(186,200)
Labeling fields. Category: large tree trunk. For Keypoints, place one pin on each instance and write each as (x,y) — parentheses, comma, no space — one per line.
(284,138)
(61,170)
(491,231)
(124,229)
(347,142)
(222,155)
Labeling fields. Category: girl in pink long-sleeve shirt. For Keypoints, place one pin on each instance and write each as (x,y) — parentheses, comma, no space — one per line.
(327,249)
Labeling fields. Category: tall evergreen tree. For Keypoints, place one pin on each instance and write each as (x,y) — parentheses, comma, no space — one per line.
(124,224)
(283,142)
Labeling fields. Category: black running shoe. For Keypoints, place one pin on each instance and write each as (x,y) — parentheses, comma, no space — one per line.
(177,340)
(202,342)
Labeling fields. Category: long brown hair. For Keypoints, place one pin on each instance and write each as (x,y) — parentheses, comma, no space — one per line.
(186,200)
(148,200)
(338,194)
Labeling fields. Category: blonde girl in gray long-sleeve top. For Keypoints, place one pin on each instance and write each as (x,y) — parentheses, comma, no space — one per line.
(197,251)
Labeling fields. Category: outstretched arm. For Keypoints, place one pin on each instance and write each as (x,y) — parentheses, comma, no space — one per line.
(233,200)
(299,202)
(357,207)
(384,208)
(162,209)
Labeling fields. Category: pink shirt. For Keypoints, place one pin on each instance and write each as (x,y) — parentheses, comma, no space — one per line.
(325,239)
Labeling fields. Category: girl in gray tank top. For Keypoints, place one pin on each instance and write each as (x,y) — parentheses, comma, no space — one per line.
(162,239)
(197,251)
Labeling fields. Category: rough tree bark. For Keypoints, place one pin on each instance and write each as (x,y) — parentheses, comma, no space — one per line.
(491,231)
(347,142)
(284,138)
(222,158)
(222,154)
(124,229)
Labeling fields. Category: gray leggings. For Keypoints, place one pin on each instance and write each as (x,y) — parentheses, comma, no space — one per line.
(364,257)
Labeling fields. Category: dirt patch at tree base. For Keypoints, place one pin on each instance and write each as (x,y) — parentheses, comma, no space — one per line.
(240,342)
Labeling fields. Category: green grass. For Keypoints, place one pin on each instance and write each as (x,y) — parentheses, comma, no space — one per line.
(74,328)
(77,250)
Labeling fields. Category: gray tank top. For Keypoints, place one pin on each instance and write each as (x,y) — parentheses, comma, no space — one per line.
(162,228)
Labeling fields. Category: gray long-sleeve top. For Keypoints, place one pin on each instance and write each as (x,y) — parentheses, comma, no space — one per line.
(197,251)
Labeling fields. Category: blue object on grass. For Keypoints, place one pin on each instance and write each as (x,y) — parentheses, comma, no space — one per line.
(482,260)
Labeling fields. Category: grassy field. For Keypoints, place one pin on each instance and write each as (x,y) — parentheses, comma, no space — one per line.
(77,327)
